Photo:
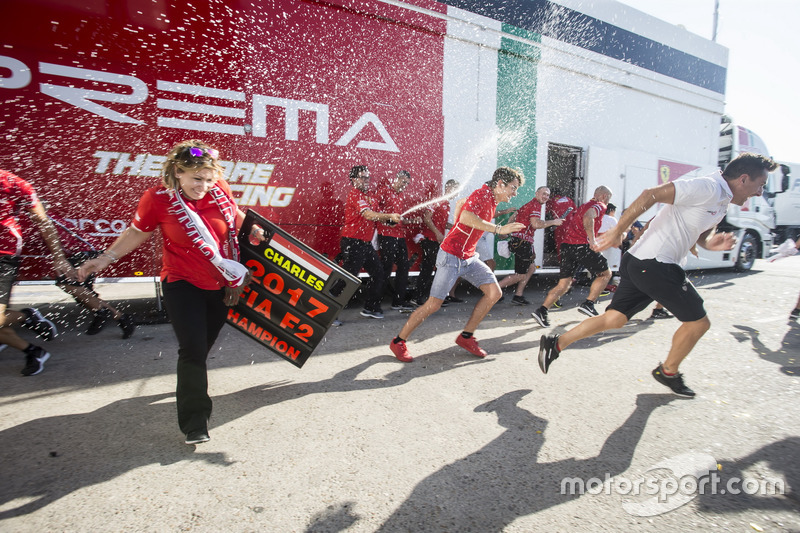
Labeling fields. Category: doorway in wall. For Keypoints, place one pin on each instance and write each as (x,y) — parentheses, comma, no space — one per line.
(564,177)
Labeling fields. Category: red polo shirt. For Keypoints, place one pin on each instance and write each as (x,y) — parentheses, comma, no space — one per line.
(182,260)
(355,225)
(575,233)
(16,196)
(439,214)
(390,201)
(462,239)
(531,209)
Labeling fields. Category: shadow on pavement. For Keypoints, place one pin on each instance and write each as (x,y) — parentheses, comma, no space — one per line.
(489,489)
(787,356)
(48,458)
(782,457)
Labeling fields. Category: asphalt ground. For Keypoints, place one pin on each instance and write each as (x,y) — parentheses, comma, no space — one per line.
(357,441)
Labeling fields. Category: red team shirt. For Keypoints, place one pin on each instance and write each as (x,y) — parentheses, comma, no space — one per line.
(531,209)
(557,207)
(355,225)
(389,201)
(574,232)
(462,239)
(439,214)
(182,260)
(16,195)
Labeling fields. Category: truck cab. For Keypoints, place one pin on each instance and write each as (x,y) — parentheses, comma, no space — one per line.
(754,222)
(783,194)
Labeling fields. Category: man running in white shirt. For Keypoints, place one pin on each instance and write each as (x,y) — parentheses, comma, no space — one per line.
(652,268)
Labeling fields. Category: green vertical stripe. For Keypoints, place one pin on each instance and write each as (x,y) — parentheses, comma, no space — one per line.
(517,65)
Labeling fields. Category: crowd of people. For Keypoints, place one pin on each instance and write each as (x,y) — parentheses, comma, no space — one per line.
(201,274)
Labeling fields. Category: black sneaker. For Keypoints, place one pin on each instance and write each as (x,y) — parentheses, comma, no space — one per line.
(34,360)
(548,352)
(127,324)
(557,303)
(795,314)
(39,324)
(197,436)
(405,306)
(587,308)
(101,318)
(673,382)
(370,313)
(454,300)
(519,300)
(541,317)
(660,313)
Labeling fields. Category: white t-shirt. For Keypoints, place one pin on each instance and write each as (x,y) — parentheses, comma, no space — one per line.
(607,223)
(613,254)
(700,204)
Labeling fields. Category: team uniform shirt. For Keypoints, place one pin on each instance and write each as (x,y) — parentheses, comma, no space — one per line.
(182,260)
(575,233)
(390,201)
(16,195)
(462,239)
(439,214)
(355,225)
(531,209)
(557,207)
(700,204)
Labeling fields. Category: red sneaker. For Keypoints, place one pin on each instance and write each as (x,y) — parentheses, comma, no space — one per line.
(400,351)
(471,345)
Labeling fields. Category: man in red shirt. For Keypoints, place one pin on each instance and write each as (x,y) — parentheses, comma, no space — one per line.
(558,206)
(392,239)
(457,258)
(521,243)
(435,225)
(360,215)
(17,194)
(579,235)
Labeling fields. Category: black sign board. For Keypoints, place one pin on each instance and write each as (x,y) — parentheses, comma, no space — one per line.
(294,296)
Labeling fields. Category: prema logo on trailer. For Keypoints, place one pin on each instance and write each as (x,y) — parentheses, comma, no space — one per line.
(135,91)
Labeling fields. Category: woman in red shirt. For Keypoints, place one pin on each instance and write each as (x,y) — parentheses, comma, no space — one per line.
(200,273)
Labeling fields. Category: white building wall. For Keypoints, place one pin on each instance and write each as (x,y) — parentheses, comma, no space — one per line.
(624,117)
(470,99)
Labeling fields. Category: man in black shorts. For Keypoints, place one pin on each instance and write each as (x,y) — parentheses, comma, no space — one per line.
(652,268)
(521,243)
(83,292)
(18,195)
(579,236)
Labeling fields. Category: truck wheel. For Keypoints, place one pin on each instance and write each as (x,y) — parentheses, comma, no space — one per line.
(748,252)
